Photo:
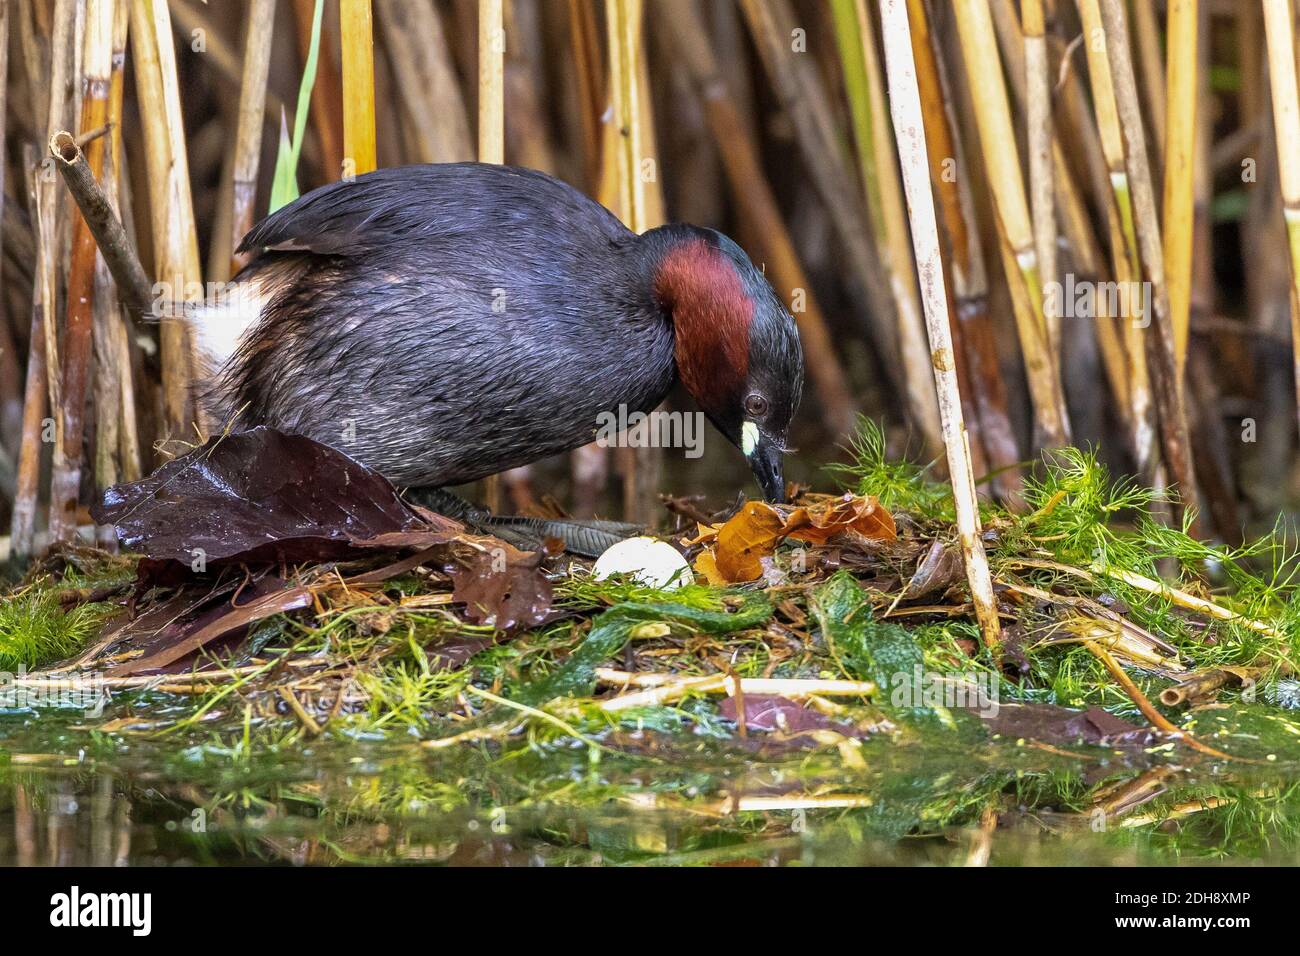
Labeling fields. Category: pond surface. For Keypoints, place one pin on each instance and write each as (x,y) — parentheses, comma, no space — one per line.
(74,794)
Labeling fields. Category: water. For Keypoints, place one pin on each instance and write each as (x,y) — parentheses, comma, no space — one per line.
(71,794)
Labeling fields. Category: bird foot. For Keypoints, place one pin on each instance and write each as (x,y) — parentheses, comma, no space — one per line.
(585,538)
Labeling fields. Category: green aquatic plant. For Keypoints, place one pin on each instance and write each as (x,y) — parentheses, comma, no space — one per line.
(35,630)
(898,484)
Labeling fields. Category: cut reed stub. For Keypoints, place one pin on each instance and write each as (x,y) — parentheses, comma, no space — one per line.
(109,234)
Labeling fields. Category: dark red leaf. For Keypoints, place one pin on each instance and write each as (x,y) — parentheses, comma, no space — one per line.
(1059,725)
(504,590)
(265,496)
(177,628)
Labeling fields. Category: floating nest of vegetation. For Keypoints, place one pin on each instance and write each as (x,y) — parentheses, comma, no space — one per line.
(314,604)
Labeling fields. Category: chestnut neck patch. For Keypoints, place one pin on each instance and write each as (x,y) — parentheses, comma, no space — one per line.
(711,314)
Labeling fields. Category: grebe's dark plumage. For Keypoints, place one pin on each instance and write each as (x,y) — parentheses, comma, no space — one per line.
(445,322)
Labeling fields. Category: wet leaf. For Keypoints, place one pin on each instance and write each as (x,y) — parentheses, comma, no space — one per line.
(504,591)
(1051,724)
(749,536)
(264,496)
(176,629)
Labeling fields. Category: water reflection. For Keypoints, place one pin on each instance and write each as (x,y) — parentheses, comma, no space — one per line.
(52,814)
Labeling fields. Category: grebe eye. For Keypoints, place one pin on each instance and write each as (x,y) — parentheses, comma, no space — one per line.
(755,405)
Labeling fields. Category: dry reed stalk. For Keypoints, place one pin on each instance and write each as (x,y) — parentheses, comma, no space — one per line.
(1168,390)
(219,53)
(998,145)
(528,88)
(909,133)
(248,132)
(623,19)
(42,346)
(1279,26)
(426,81)
(1251,50)
(966,268)
(809,108)
(758,209)
(1124,247)
(1179,154)
(1076,224)
(589,72)
(589,465)
(357,35)
(1075,219)
(130,458)
(10,400)
(491,82)
(27,480)
(175,242)
(1038,90)
(1147,31)
(884,196)
(649,462)
(77,351)
(491,132)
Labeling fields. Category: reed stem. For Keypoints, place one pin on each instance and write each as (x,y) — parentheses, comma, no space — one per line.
(248,132)
(884,195)
(1279,27)
(175,242)
(357,34)
(1170,400)
(909,131)
(1020,259)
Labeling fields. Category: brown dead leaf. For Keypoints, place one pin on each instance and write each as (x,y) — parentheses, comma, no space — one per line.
(187,632)
(753,533)
(820,523)
(503,592)
(747,537)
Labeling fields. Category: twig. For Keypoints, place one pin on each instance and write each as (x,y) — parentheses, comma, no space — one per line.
(1158,720)
(308,722)
(105,227)
(1189,601)
(662,688)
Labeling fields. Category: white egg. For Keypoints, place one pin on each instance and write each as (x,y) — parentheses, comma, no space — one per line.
(651,562)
